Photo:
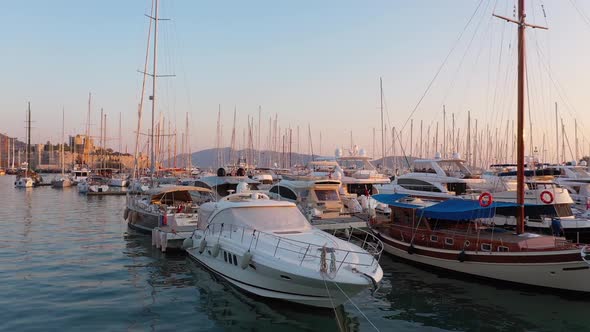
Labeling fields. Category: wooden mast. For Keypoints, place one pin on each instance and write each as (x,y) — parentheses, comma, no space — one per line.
(520,119)
(520,115)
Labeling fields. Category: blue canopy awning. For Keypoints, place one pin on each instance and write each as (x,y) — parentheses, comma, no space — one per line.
(451,209)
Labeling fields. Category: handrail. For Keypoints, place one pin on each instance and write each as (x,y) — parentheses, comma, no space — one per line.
(371,246)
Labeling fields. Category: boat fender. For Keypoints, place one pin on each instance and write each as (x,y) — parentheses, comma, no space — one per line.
(347,233)
(246,259)
(187,243)
(411,249)
(126,214)
(202,246)
(154,234)
(585,252)
(462,256)
(215,250)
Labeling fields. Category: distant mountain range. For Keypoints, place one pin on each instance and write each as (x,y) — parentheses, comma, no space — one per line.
(207,159)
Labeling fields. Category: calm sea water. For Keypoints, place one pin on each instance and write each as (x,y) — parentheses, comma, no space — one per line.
(69,263)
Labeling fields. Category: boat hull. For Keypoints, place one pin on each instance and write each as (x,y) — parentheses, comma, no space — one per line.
(562,270)
(24,183)
(142,221)
(277,284)
(62,183)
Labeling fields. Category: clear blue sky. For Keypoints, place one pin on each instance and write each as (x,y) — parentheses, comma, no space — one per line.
(310,62)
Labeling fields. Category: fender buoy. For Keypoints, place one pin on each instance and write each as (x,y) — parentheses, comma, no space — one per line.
(246,259)
(202,246)
(126,214)
(485,199)
(585,253)
(462,256)
(215,250)
(411,249)
(546,197)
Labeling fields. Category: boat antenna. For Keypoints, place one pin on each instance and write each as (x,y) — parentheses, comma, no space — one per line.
(520,115)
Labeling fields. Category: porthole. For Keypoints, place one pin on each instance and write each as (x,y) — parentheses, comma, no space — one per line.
(503,249)
(467,243)
(449,241)
(433,238)
(486,247)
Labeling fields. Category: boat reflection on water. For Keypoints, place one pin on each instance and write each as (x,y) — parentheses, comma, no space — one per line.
(175,291)
(437,299)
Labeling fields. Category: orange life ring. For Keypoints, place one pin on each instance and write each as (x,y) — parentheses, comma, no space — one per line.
(485,199)
(544,198)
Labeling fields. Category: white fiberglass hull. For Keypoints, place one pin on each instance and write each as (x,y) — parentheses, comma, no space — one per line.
(114,182)
(24,183)
(279,284)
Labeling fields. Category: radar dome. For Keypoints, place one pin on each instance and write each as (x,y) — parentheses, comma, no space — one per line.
(242,187)
(583,163)
(362,153)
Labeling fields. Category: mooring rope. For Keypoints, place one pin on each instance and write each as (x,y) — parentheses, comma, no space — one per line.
(340,327)
(357,308)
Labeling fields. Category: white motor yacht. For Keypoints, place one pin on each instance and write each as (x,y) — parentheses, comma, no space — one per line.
(268,248)
(24,182)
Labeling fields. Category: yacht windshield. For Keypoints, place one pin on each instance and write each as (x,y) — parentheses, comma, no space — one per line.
(580,173)
(327,195)
(268,218)
(356,164)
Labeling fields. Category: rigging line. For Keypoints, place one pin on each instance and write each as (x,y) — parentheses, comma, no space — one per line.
(569,107)
(508,90)
(581,13)
(528,95)
(453,80)
(489,65)
(442,64)
(357,308)
(498,73)
(479,52)
(569,146)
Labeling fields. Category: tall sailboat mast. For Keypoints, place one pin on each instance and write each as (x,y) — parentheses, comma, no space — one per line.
(154,73)
(382,125)
(62,157)
(28,137)
(520,119)
(520,114)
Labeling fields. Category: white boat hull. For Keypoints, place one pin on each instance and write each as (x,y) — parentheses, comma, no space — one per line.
(272,283)
(24,183)
(114,182)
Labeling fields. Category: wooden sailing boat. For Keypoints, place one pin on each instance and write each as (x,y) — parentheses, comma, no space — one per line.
(449,234)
